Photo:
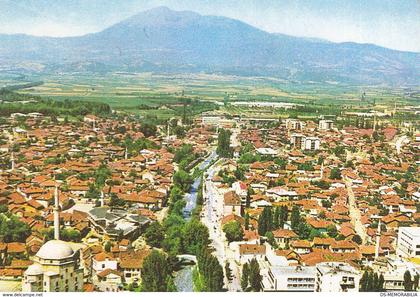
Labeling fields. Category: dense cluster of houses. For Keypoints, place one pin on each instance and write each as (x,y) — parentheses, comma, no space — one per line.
(111,183)
(354,190)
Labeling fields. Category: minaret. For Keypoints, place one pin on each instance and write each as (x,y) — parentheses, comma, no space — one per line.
(12,159)
(126,153)
(378,239)
(56,215)
(374,121)
(168,132)
(102,198)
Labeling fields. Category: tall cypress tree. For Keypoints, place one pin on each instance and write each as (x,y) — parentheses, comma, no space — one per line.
(416,282)
(276,218)
(265,221)
(375,282)
(255,278)
(363,281)
(381,283)
(245,277)
(295,218)
(155,273)
(407,281)
(370,283)
(246,221)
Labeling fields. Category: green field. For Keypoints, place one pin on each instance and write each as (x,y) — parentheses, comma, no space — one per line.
(147,93)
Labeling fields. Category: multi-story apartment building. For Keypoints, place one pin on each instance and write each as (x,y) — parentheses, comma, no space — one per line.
(336,277)
(408,245)
(289,279)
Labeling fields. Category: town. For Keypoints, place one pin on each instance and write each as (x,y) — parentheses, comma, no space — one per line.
(112,202)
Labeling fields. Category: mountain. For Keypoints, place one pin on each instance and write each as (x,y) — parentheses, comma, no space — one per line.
(163,40)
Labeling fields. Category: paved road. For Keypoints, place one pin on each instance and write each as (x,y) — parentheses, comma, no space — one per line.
(212,214)
(355,214)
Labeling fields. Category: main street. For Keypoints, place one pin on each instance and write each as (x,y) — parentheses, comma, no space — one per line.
(355,215)
(211,216)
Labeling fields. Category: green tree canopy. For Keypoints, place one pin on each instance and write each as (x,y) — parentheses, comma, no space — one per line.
(233,231)
(155,273)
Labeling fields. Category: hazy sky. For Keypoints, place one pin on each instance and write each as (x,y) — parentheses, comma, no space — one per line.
(390,23)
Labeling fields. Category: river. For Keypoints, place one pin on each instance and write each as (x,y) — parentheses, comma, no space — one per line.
(183,277)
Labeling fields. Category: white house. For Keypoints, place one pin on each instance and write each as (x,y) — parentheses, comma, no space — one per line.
(103,261)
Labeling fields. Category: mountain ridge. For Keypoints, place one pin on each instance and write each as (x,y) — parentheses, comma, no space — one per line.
(164,40)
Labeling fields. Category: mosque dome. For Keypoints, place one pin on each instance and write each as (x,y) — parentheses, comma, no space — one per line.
(55,250)
(34,269)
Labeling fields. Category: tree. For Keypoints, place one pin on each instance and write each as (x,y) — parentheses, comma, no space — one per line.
(170,285)
(295,218)
(255,278)
(375,282)
(283,216)
(276,217)
(244,277)
(357,239)
(108,246)
(370,283)
(335,173)
(415,282)
(364,281)
(270,238)
(183,180)
(246,221)
(228,271)
(148,129)
(332,231)
(154,234)
(223,144)
(155,273)
(249,192)
(12,229)
(211,271)
(305,231)
(265,221)
(381,283)
(408,284)
(195,236)
(233,231)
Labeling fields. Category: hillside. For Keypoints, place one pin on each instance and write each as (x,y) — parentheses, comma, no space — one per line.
(163,40)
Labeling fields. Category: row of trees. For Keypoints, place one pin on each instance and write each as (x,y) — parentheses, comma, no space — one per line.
(371,282)
(269,221)
(51,107)
(210,271)
(251,279)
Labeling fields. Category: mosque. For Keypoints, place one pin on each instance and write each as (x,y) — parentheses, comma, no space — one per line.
(56,266)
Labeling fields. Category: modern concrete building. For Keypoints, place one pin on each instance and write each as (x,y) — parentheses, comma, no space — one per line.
(336,277)
(408,244)
(289,279)
(311,143)
(326,125)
